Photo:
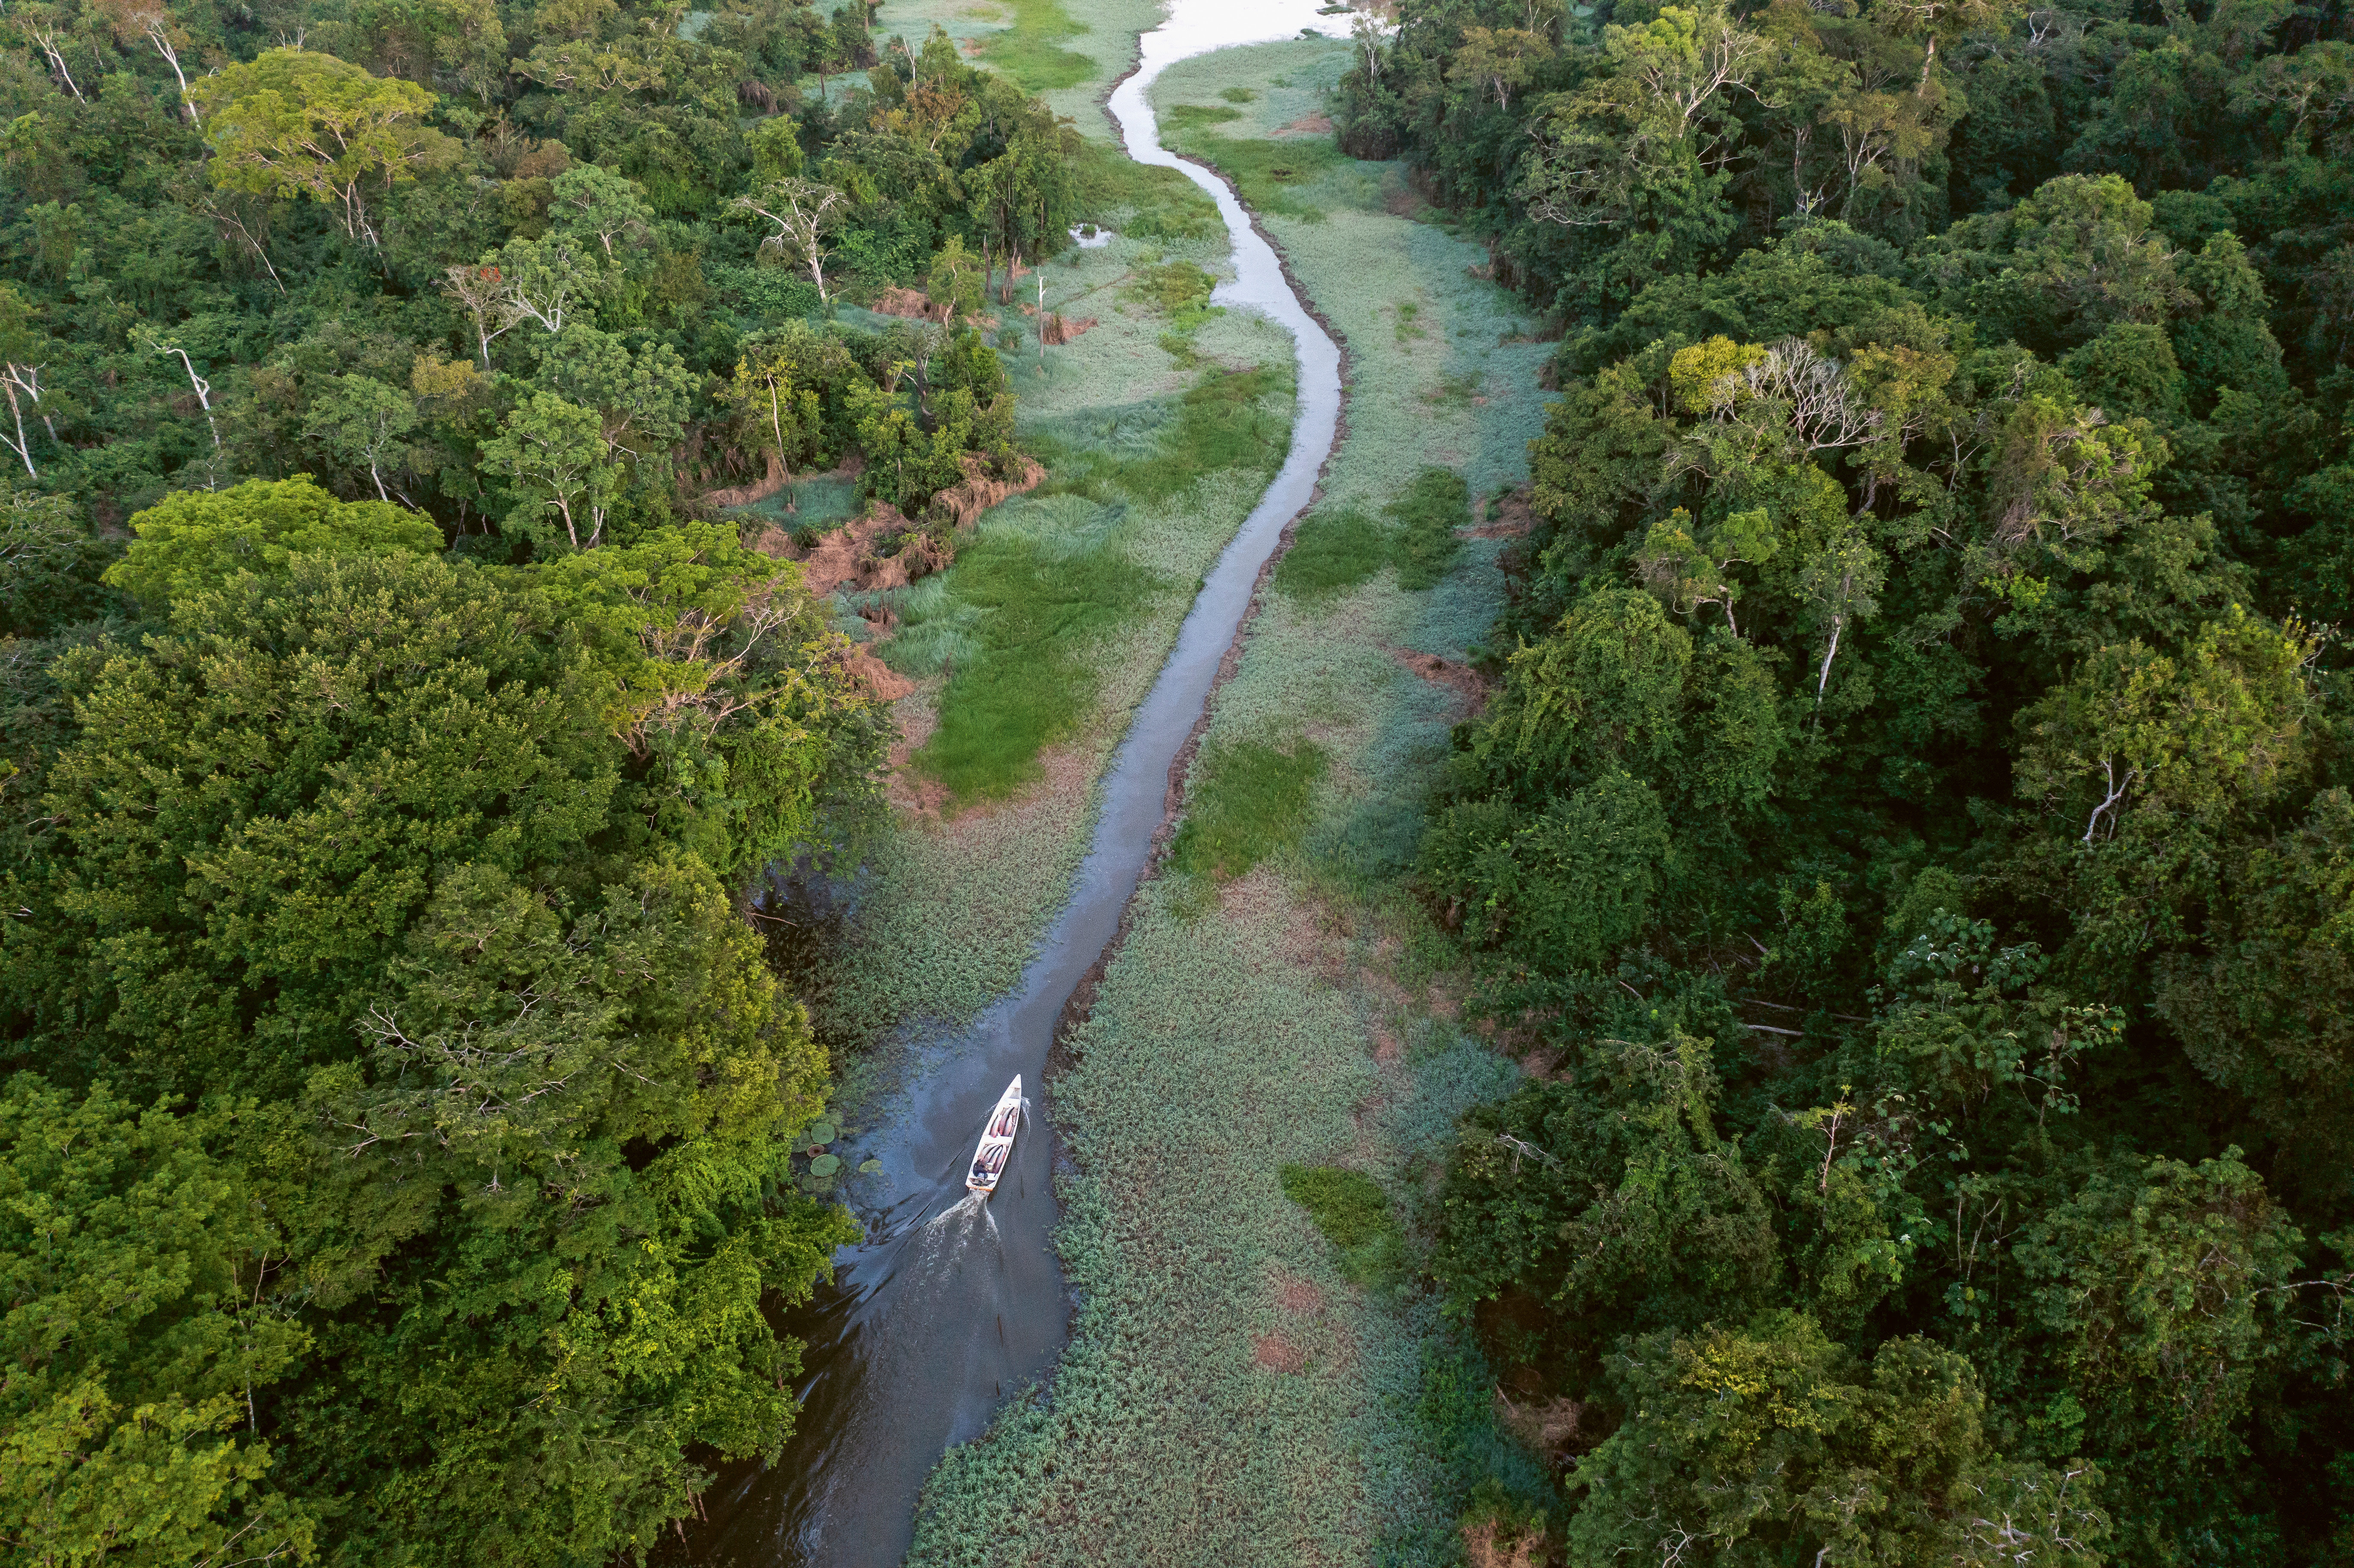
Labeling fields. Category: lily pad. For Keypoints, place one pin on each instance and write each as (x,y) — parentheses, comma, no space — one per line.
(870,1167)
(824,1132)
(826,1165)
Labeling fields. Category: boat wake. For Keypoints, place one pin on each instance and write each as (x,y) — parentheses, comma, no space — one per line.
(959,1217)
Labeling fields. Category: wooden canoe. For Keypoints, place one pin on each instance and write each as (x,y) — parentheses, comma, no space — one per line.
(996,1146)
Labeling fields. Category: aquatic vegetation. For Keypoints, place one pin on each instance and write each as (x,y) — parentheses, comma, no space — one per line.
(1245,800)
(1220,1336)
(1031,51)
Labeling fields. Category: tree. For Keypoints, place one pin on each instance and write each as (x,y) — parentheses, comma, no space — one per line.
(294,123)
(641,399)
(534,280)
(365,423)
(2193,738)
(553,452)
(481,291)
(527,1086)
(135,1261)
(20,373)
(1770,1443)
(149,20)
(192,541)
(802,211)
(1840,578)
(50,565)
(771,408)
(590,200)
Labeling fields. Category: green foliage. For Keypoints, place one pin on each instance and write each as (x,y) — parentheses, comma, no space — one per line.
(1030,51)
(198,540)
(295,122)
(1245,801)
(132,1255)
(1333,549)
(1771,1441)
(1353,1213)
(1909,700)
(51,570)
(1031,675)
(371,848)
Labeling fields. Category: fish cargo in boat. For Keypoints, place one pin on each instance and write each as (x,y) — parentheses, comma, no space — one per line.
(996,1146)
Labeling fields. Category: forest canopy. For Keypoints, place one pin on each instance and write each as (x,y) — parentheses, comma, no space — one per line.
(1908,843)
(398,1106)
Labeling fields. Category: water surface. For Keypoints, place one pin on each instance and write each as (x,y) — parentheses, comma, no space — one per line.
(947,1305)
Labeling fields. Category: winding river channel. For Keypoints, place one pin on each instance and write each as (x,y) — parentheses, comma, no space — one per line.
(946,1307)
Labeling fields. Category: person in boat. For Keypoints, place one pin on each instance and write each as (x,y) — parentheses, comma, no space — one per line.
(990,1162)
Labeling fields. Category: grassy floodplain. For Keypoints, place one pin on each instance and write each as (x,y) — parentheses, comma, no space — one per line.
(1028,652)
(1242,1385)
(1068,53)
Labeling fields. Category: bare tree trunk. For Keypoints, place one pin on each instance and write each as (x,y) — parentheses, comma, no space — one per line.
(777,423)
(163,42)
(47,40)
(264,255)
(1823,679)
(204,390)
(23,448)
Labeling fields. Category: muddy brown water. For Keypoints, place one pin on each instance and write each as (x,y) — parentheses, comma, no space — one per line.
(948,1307)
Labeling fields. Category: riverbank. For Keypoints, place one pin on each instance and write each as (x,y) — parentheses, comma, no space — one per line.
(1237,1388)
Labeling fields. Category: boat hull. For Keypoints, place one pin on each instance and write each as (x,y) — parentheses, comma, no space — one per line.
(995,1149)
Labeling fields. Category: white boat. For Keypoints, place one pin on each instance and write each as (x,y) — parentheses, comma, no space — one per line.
(996,1146)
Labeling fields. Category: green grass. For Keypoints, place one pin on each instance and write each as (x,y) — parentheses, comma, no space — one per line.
(1353,1213)
(1020,620)
(1184,117)
(1029,51)
(1228,420)
(807,507)
(1175,288)
(1232,418)
(1347,1206)
(1332,550)
(1141,200)
(1338,547)
(1238,95)
(1245,802)
(1437,503)
(1269,176)
(1026,682)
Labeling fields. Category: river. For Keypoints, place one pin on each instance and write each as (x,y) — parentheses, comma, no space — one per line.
(946,1307)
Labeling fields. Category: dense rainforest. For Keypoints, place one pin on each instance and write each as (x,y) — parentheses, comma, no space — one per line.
(396,1102)
(1910,842)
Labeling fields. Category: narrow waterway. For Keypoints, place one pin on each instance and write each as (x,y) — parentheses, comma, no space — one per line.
(948,1306)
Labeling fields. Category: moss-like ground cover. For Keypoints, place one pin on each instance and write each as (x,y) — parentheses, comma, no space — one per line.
(1242,1385)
